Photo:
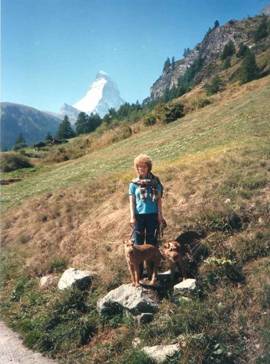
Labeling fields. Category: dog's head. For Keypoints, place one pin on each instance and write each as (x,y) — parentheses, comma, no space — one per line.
(128,245)
(171,246)
(171,250)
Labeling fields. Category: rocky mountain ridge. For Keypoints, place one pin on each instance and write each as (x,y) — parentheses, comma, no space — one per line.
(209,50)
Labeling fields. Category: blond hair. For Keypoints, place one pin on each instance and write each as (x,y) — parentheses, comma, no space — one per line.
(143,158)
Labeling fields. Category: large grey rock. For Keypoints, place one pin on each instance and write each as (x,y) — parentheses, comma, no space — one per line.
(135,300)
(75,277)
(161,353)
(184,286)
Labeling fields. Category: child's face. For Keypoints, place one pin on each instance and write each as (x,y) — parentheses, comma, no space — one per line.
(142,169)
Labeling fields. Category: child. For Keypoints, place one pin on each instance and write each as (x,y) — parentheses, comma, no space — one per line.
(145,194)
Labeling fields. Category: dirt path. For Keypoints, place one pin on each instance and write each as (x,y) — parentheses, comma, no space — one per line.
(12,350)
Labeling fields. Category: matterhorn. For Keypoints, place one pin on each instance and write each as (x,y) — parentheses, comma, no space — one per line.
(102,95)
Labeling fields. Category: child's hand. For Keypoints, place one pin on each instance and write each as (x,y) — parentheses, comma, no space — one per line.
(160,219)
(132,221)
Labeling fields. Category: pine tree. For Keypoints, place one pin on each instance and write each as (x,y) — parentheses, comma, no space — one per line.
(48,138)
(262,30)
(173,63)
(228,51)
(216,24)
(186,52)
(214,86)
(20,142)
(65,130)
(94,121)
(249,70)
(227,63)
(167,64)
(242,50)
(81,125)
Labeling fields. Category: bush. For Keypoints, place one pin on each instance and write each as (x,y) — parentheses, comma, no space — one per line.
(214,86)
(13,161)
(253,248)
(58,265)
(150,120)
(173,113)
(199,103)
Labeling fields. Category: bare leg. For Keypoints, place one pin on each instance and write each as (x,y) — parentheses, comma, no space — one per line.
(137,275)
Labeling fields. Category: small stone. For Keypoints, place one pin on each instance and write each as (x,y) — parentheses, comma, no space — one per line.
(136,342)
(184,299)
(227,201)
(160,353)
(186,285)
(47,281)
(260,221)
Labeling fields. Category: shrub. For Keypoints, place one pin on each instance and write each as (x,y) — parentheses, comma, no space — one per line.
(58,265)
(199,103)
(258,246)
(13,161)
(214,86)
(150,120)
(173,113)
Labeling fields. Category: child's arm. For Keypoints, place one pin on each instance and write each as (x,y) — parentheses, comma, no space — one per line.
(132,209)
(160,215)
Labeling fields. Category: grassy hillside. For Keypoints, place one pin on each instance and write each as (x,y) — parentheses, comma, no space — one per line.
(213,162)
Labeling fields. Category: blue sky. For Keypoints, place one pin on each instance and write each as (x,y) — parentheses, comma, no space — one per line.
(52,49)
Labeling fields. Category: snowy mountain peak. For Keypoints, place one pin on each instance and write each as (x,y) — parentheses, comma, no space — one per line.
(102,95)
(102,74)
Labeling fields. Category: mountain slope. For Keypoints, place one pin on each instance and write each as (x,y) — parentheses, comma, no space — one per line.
(32,123)
(213,162)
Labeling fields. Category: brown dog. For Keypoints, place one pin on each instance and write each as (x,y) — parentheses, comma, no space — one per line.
(173,253)
(136,255)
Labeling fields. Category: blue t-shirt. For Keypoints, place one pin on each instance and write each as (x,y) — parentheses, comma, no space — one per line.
(146,206)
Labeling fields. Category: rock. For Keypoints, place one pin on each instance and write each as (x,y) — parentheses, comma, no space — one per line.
(186,285)
(161,353)
(136,342)
(126,297)
(47,281)
(144,318)
(75,277)
(227,201)
(183,300)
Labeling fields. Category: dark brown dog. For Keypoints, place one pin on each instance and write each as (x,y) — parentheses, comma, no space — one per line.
(136,255)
